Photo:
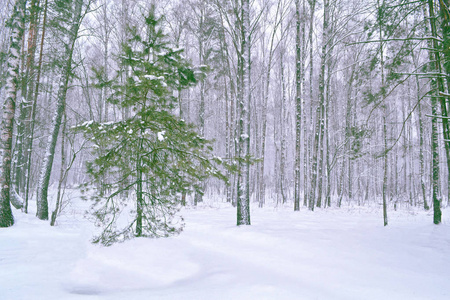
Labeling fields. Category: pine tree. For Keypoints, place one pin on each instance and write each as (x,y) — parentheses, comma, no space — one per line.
(156,153)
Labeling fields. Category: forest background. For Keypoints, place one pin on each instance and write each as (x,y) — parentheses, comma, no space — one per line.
(309,103)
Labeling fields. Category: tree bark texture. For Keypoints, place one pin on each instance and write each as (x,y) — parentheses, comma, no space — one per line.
(243,183)
(44,179)
(7,125)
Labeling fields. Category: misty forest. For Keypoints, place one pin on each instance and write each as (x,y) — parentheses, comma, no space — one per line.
(323,124)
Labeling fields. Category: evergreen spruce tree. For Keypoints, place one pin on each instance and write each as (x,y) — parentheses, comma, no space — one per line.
(154,152)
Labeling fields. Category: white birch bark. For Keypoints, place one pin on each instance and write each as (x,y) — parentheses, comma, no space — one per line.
(6,216)
(44,179)
(243,183)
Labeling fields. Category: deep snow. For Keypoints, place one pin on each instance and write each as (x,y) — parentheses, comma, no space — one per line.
(326,254)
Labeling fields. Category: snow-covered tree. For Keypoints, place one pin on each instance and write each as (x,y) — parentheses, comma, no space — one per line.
(12,85)
(72,12)
(243,145)
(154,153)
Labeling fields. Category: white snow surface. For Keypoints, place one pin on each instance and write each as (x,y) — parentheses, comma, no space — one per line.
(153,77)
(161,136)
(326,254)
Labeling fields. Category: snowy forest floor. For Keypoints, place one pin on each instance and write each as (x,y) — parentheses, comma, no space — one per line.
(326,254)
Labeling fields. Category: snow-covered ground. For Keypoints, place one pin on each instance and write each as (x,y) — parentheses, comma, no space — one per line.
(326,254)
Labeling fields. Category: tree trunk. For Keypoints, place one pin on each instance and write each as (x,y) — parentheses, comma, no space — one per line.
(139,197)
(61,175)
(445,102)
(44,179)
(228,92)
(437,87)
(385,137)
(421,156)
(283,119)
(385,170)
(315,159)
(29,145)
(17,18)
(201,113)
(298,104)
(435,165)
(322,96)
(266,85)
(25,106)
(243,182)
(306,144)
(329,61)
(313,183)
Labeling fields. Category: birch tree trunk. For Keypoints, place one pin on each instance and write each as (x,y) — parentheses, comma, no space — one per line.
(298,104)
(437,87)
(385,168)
(201,113)
(44,179)
(445,102)
(16,21)
(62,171)
(435,164)
(283,118)
(266,86)
(322,96)
(229,99)
(313,184)
(421,150)
(330,65)
(243,182)
(29,145)
(26,103)
(384,106)
(139,190)
(304,112)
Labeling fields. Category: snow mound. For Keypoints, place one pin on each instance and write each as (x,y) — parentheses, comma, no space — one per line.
(135,265)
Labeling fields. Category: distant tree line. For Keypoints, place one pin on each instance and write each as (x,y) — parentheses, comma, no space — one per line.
(312,104)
